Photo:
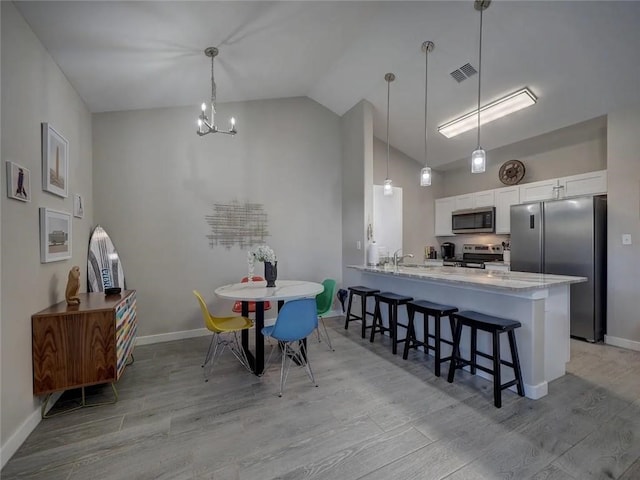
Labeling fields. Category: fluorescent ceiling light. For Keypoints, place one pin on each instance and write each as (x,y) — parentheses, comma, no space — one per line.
(492,111)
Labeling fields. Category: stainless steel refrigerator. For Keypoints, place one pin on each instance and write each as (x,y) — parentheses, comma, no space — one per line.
(567,237)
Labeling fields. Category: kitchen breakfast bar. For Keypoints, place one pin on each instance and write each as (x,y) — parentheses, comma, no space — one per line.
(539,301)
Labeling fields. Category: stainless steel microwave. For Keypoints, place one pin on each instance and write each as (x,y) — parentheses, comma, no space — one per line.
(474,220)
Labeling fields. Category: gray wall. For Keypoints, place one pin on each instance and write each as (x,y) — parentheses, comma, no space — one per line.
(417,201)
(34,90)
(357,184)
(576,149)
(156,180)
(623,216)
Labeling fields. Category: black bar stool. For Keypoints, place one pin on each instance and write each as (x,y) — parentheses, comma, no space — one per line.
(495,326)
(437,311)
(393,301)
(363,293)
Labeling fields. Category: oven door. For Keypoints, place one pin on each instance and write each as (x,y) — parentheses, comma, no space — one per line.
(477,220)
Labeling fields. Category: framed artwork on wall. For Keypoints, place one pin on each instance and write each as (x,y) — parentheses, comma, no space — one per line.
(55,235)
(78,206)
(18,182)
(55,161)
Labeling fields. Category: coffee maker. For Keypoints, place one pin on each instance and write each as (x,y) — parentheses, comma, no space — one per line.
(448,250)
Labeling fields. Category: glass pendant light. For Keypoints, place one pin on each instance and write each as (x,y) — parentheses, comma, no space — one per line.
(479,156)
(425,173)
(388,188)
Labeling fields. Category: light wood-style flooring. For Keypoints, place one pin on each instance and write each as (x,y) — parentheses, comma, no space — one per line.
(374,416)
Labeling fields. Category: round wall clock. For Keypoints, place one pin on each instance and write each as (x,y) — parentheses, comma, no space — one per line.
(511,172)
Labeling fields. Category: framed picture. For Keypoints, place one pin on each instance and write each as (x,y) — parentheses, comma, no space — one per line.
(78,206)
(55,161)
(18,182)
(55,235)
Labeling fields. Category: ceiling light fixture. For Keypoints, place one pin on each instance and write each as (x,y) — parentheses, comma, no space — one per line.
(492,111)
(479,156)
(206,126)
(425,173)
(388,188)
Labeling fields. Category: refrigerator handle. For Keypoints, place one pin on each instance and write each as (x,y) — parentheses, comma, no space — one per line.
(532,222)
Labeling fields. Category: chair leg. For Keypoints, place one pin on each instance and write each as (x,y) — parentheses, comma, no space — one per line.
(326,333)
(516,362)
(208,355)
(236,348)
(455,354)
(307,365)
(218,350)
(438,353)
(346,320)
(497,377)
(289,355)
(377,319)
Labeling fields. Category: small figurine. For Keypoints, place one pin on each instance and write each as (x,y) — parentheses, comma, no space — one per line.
(73,286)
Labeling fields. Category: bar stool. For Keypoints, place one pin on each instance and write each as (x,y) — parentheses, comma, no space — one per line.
(363,293)
(437,311)
(393,301)
(495,326)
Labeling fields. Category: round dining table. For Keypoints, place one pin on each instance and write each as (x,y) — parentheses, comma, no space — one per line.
(259,293)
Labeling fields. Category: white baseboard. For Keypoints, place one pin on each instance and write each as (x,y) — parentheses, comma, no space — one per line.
(622,343)
(168,337)
(13,443)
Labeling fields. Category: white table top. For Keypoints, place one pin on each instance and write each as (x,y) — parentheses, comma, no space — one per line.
(258,291)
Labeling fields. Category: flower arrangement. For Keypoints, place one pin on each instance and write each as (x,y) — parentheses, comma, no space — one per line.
(262,253)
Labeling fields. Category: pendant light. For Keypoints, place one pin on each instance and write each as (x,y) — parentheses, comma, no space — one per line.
(208,125)
(388,188)
(479,156)
(425,173)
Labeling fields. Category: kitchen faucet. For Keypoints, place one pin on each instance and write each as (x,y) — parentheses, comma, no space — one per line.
(397,259)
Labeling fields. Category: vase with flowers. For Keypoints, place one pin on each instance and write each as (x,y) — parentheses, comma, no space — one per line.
(264,253)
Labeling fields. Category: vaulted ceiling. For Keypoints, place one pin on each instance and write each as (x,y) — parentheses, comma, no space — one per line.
(579,57)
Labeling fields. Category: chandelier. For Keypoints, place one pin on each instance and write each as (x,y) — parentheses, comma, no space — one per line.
(205,124)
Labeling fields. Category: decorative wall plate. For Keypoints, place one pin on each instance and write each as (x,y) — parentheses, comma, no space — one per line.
(511,172)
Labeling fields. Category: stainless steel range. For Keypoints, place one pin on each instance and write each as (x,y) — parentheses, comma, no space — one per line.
(474,255)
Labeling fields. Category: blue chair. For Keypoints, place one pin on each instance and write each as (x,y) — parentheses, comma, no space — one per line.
(324,302)
(296,320)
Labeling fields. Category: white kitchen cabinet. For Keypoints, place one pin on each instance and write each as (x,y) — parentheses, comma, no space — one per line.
(443,209)
(475,200)
(591,183)
(537,191)
(485,198)
(464,202)
(504,198)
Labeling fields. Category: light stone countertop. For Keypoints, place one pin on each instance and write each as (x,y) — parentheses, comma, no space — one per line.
(474,277)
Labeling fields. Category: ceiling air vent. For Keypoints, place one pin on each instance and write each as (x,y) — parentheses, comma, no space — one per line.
(463,72)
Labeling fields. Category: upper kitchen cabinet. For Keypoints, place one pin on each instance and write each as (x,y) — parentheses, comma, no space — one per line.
(591,183)
(443,209)
(505,197)
(537,191)
(485,198)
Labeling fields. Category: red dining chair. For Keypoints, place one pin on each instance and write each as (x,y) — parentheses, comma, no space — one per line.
(237,307)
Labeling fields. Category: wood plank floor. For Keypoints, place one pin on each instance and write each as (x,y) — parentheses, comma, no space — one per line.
(373,416)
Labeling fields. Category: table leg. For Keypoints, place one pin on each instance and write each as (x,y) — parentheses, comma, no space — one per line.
(244,335)
(259,362)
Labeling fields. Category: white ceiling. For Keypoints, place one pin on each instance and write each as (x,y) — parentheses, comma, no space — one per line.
(579,57)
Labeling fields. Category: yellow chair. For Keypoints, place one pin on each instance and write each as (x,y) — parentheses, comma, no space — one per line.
(225,334)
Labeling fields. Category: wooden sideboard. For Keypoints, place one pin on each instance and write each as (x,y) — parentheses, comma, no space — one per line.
(81,345)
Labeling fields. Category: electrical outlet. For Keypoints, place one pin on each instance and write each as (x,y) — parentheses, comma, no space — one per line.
(626,239)
(359,245)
